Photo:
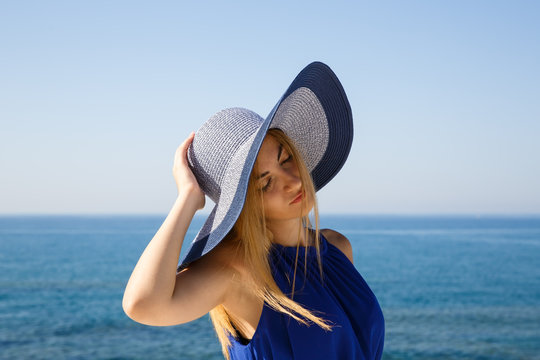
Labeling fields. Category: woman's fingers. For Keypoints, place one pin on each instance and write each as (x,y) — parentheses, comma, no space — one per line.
(181,152)
(185,180)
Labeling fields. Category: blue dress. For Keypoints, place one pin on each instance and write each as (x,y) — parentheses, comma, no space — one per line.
(343,297)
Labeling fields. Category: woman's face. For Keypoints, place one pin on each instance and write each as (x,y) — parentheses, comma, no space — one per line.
(280,183)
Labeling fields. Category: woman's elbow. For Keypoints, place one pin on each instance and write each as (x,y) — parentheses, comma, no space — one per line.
(131,307)
(136,309)
(147,313)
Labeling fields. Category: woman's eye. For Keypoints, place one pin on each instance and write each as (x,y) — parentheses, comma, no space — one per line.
(267,186)
(287,160)
(270,180)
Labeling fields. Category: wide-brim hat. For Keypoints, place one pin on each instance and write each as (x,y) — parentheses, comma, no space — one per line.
(314,113)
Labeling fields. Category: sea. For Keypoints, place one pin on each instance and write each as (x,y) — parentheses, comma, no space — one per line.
(450,287)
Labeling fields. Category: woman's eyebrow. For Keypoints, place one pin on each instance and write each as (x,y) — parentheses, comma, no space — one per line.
(262,175)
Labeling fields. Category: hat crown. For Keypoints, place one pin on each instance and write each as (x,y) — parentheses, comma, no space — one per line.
(215,144)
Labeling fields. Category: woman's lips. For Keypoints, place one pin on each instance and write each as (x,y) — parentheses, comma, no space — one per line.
(298,198)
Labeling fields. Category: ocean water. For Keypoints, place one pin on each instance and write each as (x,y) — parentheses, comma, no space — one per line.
(449,287)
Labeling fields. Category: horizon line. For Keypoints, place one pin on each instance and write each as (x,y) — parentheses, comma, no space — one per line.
(364,214)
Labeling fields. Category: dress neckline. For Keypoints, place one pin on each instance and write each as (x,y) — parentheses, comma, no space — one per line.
(301,249)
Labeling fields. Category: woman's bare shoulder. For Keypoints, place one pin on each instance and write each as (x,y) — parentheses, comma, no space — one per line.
(340,241)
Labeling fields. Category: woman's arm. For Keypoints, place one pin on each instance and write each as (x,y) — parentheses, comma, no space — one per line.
(155,293)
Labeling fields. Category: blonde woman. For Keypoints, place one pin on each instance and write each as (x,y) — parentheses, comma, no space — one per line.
(275,285)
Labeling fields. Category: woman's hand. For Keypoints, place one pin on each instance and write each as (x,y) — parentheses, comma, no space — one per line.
(185,180)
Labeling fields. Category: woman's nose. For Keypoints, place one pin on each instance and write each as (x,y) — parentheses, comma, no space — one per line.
(291,181)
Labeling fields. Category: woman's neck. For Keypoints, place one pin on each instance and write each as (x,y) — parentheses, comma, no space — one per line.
(288,232)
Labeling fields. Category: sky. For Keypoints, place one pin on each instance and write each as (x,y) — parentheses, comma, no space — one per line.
(96,96)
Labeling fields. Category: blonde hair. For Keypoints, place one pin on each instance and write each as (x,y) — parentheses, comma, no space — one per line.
(255,240)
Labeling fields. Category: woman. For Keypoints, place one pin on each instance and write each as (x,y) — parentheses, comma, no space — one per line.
(275,286)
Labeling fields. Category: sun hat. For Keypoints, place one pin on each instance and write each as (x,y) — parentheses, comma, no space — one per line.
(314,113)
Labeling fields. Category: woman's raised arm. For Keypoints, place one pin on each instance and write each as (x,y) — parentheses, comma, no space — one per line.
(153,294)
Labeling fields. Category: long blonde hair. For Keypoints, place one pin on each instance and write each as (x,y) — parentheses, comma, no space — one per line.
(255,240)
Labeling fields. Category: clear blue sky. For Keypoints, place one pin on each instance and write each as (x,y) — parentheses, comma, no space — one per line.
(95,97)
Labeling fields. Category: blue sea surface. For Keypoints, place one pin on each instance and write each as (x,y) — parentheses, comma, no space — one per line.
(450,287)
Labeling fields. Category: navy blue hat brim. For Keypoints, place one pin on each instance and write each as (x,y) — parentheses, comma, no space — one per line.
(322,81)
